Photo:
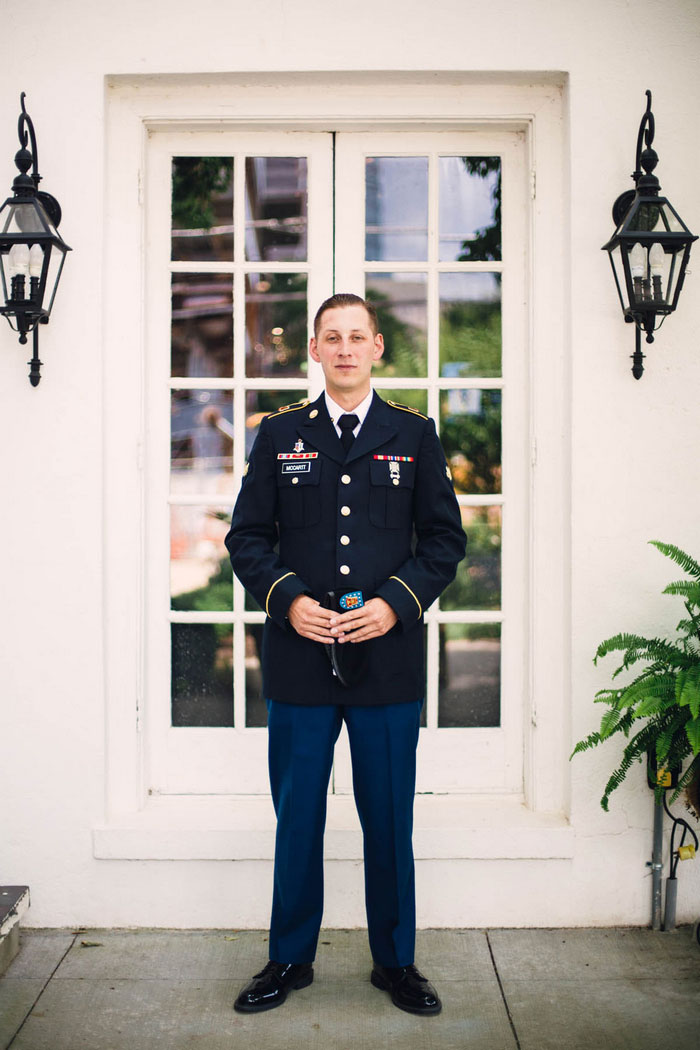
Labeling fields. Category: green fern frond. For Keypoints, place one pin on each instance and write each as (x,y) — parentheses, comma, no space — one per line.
(687,563)
(583,745)
(686,778)
(609,696)
(635,750)
(658,686)
(692,731)
(665,693)
(687,691)
(609,722)
(621,643)
(665,738)
(687,588)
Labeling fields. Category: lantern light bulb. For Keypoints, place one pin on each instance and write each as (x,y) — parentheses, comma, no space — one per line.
(656,260)
(36,260)
(19,260)
(637,261)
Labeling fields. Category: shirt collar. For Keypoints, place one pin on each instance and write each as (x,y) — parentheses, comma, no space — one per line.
(335,411)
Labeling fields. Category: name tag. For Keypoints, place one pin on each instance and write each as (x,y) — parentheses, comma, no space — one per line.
(296,468)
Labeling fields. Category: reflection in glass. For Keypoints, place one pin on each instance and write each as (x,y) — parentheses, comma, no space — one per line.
(201,441)
(401,302)
(200,568)
(255,706)
(470,432)
(470,324)
(202,209)
(470,675)
(260,403)
(276,324)
(202,674)
(477,584)
(276,208)
(396,208)
(413,398)
(202,325)
(470,209)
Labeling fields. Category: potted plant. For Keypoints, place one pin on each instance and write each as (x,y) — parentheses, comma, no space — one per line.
(658,712)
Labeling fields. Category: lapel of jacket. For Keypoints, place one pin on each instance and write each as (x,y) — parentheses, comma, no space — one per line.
(377,429)
(319,431)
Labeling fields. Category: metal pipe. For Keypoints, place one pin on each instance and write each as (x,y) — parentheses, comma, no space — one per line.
(657,865)
(670,907)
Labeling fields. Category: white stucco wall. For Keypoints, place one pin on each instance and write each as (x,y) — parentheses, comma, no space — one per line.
(633,449)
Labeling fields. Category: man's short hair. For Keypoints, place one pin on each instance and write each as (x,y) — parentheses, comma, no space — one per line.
(341,299)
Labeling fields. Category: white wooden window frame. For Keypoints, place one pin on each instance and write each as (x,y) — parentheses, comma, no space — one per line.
(209,760)
(474,759)
(534,825)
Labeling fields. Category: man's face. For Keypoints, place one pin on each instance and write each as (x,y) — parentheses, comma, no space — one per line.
(346,347)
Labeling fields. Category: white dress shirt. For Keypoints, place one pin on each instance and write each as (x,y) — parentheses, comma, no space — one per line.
(335,412)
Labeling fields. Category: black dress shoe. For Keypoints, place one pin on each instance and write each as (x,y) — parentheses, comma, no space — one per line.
(409,989)
(269,988)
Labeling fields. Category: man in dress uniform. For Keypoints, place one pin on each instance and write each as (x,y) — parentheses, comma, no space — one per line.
(345,530)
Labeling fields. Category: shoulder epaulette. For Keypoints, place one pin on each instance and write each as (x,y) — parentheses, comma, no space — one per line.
(289,408)
(407,408)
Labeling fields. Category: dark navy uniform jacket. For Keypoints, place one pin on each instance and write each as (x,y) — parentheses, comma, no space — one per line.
(384,521)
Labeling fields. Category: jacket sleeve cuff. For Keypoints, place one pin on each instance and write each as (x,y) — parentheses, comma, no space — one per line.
(281,595)
(402,599)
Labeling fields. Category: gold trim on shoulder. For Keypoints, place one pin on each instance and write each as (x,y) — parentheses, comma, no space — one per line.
(294,407)
(407,408)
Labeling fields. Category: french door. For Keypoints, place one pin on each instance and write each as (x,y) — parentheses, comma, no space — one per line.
(247,234)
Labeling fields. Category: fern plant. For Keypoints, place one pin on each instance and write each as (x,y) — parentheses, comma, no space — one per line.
(659,710)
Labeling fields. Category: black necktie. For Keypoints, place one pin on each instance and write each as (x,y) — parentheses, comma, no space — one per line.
(347,424)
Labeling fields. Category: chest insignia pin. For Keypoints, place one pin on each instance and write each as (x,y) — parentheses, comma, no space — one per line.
(299,447)
(394,471)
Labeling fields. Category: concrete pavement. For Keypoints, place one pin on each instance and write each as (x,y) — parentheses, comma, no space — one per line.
(627,989)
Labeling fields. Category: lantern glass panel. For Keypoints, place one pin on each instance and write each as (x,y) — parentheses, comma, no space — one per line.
(4,275)
(26,219)
(652,215)
(619,274)
(57,257)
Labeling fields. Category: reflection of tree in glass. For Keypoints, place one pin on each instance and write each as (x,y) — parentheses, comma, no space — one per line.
(276,319)
(470,332)
(196,181)
(472,443)
(404,344)
(477,584)
(485,246)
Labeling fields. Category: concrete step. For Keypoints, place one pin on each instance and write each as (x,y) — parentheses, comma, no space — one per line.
(14,902)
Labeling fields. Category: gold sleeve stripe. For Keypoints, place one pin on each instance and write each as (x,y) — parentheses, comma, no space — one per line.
(420,609)
(267,600)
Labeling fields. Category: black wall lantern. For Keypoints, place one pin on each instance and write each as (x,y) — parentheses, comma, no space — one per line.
(31,251)
(650,248)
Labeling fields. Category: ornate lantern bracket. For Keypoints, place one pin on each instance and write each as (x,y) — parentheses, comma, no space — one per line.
(32,253)
(650,248)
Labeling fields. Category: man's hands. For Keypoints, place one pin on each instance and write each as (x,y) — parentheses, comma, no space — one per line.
(311,620)
(374,619)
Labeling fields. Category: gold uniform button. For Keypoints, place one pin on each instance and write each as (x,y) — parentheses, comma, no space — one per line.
(295,481)
(313,413)
(346,479)
(345,511)
(345,569)
(345,540)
